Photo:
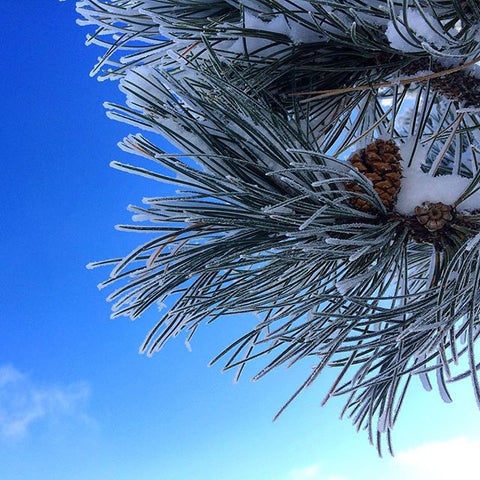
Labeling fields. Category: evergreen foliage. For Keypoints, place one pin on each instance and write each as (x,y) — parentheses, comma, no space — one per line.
(274,215)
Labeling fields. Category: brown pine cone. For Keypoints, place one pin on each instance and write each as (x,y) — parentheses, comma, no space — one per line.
(380,162)
(433,216)
(458,85)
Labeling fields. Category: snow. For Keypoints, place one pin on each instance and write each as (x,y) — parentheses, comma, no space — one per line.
(276,24)
(418,187)
(296,31)
(386,102)
(277,209)
(472,243)
(423,28)
(250,45)
(299,34)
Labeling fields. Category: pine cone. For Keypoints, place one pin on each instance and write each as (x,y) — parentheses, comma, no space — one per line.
(433,216)
(380,163)
(460,85)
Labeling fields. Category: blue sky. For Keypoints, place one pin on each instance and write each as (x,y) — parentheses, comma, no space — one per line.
(77,401)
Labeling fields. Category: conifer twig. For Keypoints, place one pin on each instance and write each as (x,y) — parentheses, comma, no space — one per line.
(376,86)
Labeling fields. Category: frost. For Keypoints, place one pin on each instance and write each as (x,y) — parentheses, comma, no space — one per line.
(445,396)
(345,285)
(355,256)
(474,70)
(468,110)
(425,381)
(277,210)
(472,243)
(384,421)
(453,275)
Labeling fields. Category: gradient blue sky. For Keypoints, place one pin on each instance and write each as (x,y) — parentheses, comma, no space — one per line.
(77,401)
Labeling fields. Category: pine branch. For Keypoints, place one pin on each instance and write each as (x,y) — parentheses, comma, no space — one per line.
(283,46)
(349,224)
(267,224)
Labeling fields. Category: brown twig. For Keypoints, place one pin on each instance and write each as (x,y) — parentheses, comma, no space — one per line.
(190,48)
(420,78)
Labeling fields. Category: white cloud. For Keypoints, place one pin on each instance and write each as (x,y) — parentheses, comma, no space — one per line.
(443,460)
(23,403)
(305,473)
(454,458)
(311,472)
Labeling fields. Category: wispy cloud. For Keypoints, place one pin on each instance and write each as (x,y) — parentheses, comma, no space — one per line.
(305,473)
(312,472)
(454,458)
(24,402)
(443,460)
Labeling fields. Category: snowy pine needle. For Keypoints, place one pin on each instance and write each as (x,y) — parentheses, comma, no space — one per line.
(265,221)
